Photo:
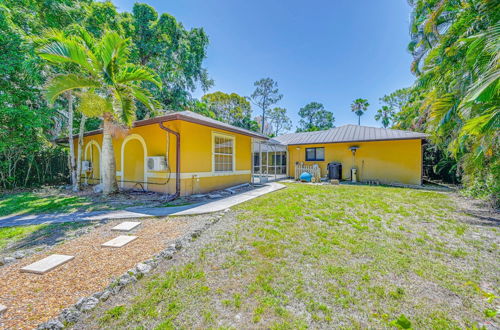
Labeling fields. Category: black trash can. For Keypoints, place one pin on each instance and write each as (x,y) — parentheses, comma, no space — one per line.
(334,171)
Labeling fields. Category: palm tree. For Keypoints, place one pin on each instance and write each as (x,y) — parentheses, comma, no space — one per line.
(107,82)
(359,106)
(385,114)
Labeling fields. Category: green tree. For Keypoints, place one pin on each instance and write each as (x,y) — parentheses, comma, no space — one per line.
(280,122)
(315,118)
(266,94)
(25,118)
(265,127)
(164,45)
(397,99)
(22,77)
(200,107)
(455,46)
(248,123)
(229,108)
(102,16)
(385,115)
(109,85)
(359,107)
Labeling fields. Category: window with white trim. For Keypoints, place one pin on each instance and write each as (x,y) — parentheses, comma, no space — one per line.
(223,153)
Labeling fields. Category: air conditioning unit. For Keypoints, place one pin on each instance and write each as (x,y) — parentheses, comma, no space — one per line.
(86,166)
(156,163)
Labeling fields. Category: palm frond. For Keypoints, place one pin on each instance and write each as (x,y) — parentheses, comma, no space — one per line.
(66,51)
(488,49)
(125,101)
(66,82)
(132,72)
(87,39)
(112,47)
(144,96)
(482,124)
(440,108)
(490,79)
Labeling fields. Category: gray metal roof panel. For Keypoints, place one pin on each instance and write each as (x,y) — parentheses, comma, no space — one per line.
(349,133)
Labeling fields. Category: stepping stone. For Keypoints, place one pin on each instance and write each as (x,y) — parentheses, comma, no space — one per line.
(47,264)
(3,308)
(119,241)
(126,226)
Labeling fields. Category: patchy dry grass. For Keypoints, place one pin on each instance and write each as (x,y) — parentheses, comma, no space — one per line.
(324,257)
(10,235)
(29,202)
(35,236)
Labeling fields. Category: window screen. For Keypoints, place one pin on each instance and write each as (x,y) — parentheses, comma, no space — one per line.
(223,154)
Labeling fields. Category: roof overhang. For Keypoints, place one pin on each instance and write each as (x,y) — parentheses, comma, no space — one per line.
(186,118)
(358,141)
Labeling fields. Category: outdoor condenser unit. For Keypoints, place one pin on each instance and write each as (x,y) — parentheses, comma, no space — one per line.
(156,163)
(86,166)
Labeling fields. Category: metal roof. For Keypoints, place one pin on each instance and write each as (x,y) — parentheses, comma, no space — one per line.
(200,119)
(192,117)
(270,145)
(348,133)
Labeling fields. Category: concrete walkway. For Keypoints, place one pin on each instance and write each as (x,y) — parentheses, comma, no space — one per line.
(136,212)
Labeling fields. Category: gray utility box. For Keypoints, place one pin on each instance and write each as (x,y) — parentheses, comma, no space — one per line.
(335,171)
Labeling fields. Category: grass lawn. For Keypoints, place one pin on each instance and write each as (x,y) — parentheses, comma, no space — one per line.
(35,235)
(32,202)
(13,234)
(326,257)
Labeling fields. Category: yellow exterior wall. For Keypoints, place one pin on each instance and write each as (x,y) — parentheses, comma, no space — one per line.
(395,161)
(197,175)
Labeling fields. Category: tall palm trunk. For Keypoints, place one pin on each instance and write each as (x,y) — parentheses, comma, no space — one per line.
(79,152)
(72,165)
(108,157)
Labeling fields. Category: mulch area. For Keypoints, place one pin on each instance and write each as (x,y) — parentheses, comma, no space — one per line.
(32,299)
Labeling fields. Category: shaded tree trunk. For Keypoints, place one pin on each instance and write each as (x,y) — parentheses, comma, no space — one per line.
(72,165)
(79,153)
(108,157)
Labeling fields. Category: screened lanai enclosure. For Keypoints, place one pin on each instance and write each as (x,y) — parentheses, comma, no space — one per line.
(269,161)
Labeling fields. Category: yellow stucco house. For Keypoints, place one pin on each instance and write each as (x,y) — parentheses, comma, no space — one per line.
(210,154)
(194,154)
(378,154)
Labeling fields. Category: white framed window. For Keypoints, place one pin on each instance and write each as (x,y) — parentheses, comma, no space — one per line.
(223,152)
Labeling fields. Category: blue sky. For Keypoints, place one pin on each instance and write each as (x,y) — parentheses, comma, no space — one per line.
(328,51)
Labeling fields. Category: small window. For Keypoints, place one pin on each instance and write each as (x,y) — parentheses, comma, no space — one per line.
(315,154)
(223,152)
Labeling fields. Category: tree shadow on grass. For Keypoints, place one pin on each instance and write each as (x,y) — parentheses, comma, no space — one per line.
(23,203)
(47,235)
(479,212)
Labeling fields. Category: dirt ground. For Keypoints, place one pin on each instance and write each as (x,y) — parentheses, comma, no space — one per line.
(32,299)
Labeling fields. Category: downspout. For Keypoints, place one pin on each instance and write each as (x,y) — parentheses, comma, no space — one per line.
(177,161)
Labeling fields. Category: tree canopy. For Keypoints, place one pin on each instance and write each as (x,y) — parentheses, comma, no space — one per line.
(229,108)
(265,95)
(359,107)
(456,51)
(455,98)
(385,115)
(279,120)
(159,42)
(315,118)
